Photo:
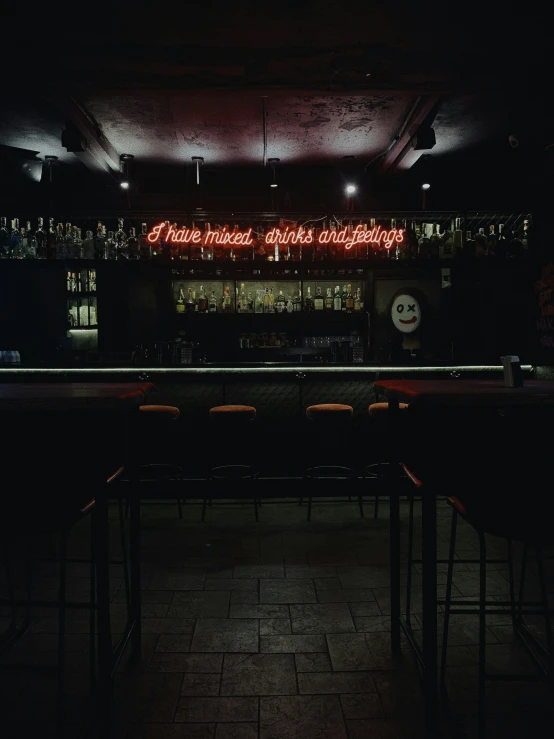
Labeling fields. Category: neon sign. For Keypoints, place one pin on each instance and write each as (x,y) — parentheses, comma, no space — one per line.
(346,237)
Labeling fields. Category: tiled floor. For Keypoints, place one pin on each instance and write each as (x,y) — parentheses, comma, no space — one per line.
(277,630)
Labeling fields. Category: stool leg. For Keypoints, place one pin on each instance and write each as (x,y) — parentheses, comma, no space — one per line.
(309,518)
(446,622)
(482,713)
(61,634)
(361,505)
(410,558)
(92,615)
(512,584)
(124,556)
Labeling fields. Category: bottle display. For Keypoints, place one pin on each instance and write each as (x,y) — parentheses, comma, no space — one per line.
(319,302)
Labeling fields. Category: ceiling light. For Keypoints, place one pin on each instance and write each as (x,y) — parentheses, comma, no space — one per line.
(124,184)
(198,161)
(425,186)
(272,162)
(351,189)
(124,169)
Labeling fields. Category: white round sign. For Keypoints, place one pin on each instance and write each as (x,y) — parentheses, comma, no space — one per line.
(406,313)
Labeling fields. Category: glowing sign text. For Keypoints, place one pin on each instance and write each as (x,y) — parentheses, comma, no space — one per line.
(347,237)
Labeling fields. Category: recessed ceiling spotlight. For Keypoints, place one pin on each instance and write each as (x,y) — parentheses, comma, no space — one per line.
(272,161)
(351,189)
(425,186)
(124,185)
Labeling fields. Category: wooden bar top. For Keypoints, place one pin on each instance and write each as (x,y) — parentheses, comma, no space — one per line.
(477,393)
(73,396)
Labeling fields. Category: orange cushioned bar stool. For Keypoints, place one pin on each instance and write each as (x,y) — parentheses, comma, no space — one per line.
(233,429)
(156,445)
(379,438)
(329,452)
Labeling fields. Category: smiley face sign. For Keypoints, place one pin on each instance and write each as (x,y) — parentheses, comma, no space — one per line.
(406,313)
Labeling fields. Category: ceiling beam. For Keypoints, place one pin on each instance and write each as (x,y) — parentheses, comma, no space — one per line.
(98,153)
(401,154)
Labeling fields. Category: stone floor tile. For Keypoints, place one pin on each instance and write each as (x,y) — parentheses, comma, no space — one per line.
(168,625)
(370,624)
(226,635)
(362,706)
(327,583)
(177,581)
(236,731)
(293,643)
(272,626)
(321,618)
(364,576)
(205,604)
(217,709)
(313,662)
(258,674)
(382,729)
(309,573)
(168,731)
(258,611)
(359,596)
(174,643)
(335,682)
(175,662)
(240,597)
(301,717)
(148,697)
(287,591)
(349,652)
(200,684)
(232,583)
(257,571)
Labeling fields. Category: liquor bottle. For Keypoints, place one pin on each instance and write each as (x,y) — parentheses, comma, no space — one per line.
(309,301)
(212,303)
(51,242)
(265,301)
(60,242)
(31,243)
(92,280)
(23,243)
(349,299)
(145,248)
(412,236)
(319,303)
(435,241)
(358,301)
(329,300)
(15,237)
(133,249)
(343,299)
(501,243)
(250,303)
(180,304)
(280,303)
(195,301)
(297,303)
(525,236)
(88,246)
(446,246)
(424,245)
(337,302)
(271,301)
(120,238)
(68,239)
(190,302)
(226,303)
(469,246)
(480,244)
(202,300)
(457,238)
(99,241)
(40,237)
(241,303)
(290,305)
(4,238)
(109,246)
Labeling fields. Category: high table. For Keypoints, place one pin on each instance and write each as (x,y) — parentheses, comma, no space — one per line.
(104,410)
(443,395)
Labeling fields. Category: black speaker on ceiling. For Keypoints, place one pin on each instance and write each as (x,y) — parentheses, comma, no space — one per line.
(425,138)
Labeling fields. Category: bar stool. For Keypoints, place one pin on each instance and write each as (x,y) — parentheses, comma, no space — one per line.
(380,436)
(151,439)
(329,452)
(232,436)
